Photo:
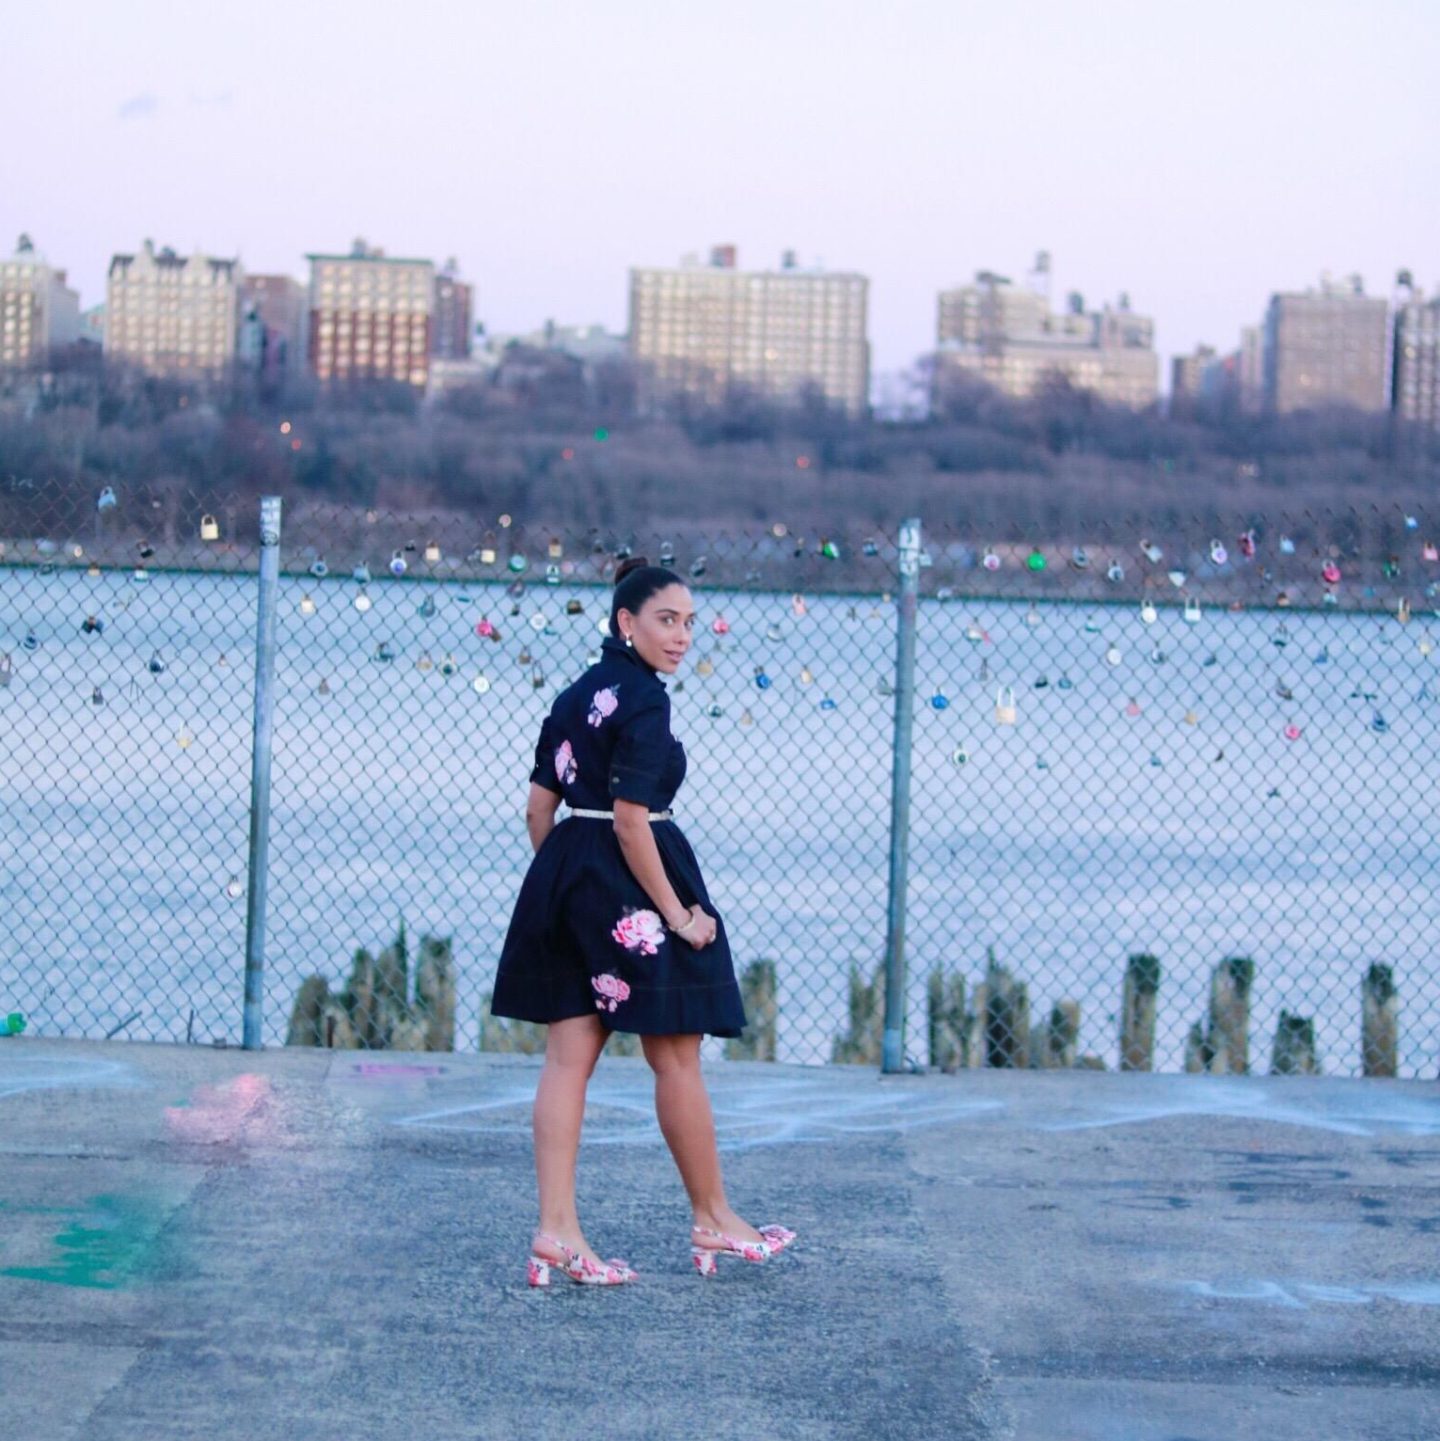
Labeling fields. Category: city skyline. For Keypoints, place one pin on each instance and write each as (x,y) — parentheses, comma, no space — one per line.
(1199,165)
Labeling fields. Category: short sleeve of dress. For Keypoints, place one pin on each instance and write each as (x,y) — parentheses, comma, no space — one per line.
(641,750)
(544,772)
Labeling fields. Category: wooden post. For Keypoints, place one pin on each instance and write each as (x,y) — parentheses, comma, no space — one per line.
(1380,1022)
(862,1042)
(1197,1059)
(1137,1023)
(435,994)
(945,1002)
(1053,1048)
(499,1034)
(1007,1017)
(1229,1037)
(305,1017)
(762,1010)
(1294,1053)
(974,1047)
(392,988)
(335,1028)
(360,1002)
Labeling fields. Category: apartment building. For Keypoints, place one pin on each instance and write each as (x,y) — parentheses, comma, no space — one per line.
(39,313)
(370,317)
(170,314)
(704,331)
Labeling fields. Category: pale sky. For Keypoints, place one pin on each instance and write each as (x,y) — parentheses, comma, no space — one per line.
(1198,156)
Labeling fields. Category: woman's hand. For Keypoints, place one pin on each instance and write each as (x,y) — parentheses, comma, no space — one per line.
(700,930)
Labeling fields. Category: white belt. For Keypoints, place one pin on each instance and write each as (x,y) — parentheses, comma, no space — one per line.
(610,815)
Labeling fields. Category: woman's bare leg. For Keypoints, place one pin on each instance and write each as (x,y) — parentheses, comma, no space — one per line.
(682,1106)
(572,1048)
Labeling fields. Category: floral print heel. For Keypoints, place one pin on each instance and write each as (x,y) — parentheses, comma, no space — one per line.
(580,1269)
(776,1239)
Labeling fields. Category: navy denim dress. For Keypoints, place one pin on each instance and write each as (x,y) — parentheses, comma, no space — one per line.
(584,937)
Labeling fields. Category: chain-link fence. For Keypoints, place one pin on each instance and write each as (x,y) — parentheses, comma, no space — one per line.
(1171,788)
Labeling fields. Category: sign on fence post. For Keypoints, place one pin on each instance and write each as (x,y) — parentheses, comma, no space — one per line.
(260,769)
(893,1043)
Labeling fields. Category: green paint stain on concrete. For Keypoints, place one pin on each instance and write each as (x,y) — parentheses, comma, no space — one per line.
(111,1244)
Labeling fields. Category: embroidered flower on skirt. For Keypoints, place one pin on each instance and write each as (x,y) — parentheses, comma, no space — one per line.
(603,704)
(640,931)
(565,768)
(612,990)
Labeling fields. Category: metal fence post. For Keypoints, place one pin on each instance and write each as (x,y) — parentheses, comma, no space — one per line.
(893,1044)
(260,769)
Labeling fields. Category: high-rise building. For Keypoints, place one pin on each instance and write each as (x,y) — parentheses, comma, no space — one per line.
(1187,379)
(1326,347)
(454,316)
(39,313)
(1416,387)
(1250,369)
(170,314)
(370,317)
(708,330)
(1010,339)
(274,323)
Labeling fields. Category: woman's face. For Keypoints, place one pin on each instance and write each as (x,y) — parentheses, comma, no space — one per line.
(662,631)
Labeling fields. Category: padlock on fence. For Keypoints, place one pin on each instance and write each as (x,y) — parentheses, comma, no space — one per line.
(1005,711)
(209,528)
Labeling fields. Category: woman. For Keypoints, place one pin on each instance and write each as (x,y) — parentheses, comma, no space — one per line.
(613,930)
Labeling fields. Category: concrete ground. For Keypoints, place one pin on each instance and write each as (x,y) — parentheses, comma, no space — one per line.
(292,1245)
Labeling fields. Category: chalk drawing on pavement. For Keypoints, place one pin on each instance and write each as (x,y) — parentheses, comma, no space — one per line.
(1347,1108)
(21,1074)
(777,1111)
(111,1242)
(1302,1295)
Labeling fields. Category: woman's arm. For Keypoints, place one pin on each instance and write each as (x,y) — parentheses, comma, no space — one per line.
(540,811)
(642,855)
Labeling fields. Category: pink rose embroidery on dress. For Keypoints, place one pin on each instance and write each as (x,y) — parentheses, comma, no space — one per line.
(565,767)
(603,704)
(612,990)
(641,931)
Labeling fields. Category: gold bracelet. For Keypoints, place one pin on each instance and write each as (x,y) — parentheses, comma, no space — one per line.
(680,930)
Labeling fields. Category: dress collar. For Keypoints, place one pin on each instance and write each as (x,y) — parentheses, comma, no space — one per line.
(614,646)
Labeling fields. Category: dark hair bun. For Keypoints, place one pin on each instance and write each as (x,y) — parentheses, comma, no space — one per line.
(630,563)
